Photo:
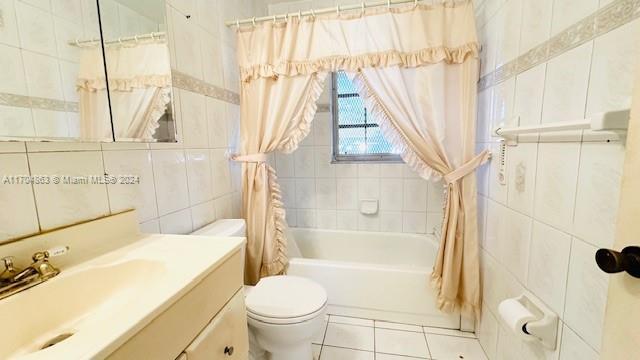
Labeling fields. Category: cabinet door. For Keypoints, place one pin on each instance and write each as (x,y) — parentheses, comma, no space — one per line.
(226,337)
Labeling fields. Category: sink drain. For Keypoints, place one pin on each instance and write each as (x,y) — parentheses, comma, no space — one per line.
(56,340)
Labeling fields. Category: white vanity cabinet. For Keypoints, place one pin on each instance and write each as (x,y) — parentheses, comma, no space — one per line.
(225,337)
(209,322)
(126,295)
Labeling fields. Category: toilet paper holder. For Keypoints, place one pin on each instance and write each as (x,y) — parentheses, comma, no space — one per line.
(544,328)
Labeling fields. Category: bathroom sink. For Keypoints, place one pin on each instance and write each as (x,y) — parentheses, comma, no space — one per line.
(59,308)
(91,309)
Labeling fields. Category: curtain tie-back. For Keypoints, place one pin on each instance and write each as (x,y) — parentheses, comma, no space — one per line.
(251,158)
(468,167)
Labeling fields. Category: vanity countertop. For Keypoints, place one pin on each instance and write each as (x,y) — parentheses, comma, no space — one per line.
(106,300)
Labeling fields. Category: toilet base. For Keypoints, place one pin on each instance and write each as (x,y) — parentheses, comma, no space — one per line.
(285,341)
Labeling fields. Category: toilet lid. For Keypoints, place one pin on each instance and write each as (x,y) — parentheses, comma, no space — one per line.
(284,297)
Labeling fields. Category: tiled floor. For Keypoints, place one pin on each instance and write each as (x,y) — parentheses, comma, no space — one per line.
(346,338)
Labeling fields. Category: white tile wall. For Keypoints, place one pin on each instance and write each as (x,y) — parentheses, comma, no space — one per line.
(313,188)
(194,120)
(566,85)
(182,186)
(556,177)
(170,174)
(508,34)
(522,163)
(586,294)
(560,201)
(18,214)
(536,23)
(139,196)
(12,78)
(568,12)
(529,96)
(550,250)
(199,176)
(63,204)
(573,347)
(598,192)
(614,56)
(9,32)
(487,332)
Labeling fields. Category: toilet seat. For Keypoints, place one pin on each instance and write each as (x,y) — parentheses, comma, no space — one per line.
(284,321)
(285,300)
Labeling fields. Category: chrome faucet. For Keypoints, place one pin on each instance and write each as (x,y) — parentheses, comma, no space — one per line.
(13,280)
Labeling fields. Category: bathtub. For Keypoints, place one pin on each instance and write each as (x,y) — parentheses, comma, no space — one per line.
(375,275)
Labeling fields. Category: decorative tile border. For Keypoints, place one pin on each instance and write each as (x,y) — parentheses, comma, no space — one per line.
(37,103)
(612,16)
(189,83)
(180,80)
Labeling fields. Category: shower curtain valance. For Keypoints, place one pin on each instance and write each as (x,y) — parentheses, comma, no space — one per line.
(416,69)
(407,36)
(139,85)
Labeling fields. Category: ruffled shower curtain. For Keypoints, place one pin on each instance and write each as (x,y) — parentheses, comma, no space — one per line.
(140,91)
(416,67)
(275,115)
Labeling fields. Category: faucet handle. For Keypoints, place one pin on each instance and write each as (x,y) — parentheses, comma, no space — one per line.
(8,263)
(53,252)
(9,268)
(42,265)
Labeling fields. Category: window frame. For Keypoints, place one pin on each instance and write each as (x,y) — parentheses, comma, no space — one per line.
(351,158)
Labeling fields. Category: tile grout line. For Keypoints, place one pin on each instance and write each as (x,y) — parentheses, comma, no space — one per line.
(374,340)
(106,186)
(324,336)
(375,351)
(350,348)
(554,227)
(33,189)
(424,335)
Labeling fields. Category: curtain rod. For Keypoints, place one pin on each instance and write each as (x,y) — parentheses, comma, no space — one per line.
(135,38)
(313,12)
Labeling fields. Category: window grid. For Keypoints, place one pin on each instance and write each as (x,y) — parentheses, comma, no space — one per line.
(356,138)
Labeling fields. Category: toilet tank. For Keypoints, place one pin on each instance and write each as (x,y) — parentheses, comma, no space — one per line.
(225,227)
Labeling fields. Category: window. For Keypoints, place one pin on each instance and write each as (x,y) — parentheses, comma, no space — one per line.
(356,134)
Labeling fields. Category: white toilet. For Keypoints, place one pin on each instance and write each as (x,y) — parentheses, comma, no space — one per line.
(284,312)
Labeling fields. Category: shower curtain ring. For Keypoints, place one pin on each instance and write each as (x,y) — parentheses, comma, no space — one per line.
(299,15)
(274,19)
(238,23)
(338,10)
(253,21)
(362,5)
(313,13)
(388,4)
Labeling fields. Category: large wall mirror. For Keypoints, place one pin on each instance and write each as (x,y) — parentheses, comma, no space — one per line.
(85,70)
(138,69)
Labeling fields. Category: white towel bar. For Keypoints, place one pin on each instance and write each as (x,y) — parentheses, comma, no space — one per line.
(613,120)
